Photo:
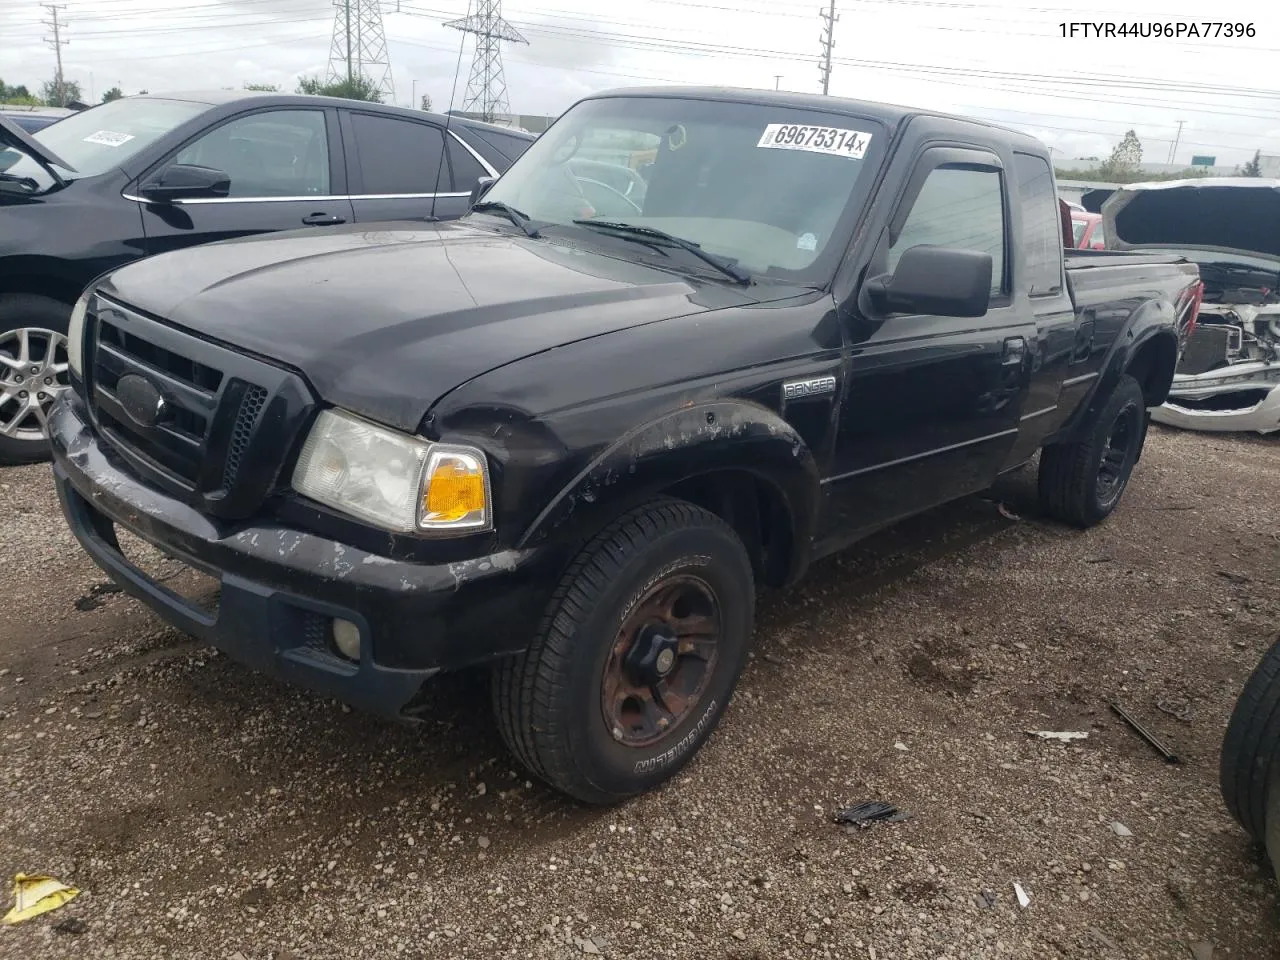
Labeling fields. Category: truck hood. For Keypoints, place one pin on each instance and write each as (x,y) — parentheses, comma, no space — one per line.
(1229,215)
(385,320)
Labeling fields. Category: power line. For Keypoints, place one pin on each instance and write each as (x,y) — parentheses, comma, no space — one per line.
(975,111)
(487,84)
(191,28)
(1058,81)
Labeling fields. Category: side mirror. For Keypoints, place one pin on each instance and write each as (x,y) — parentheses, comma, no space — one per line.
(183,181)
(481,188)
(943,281)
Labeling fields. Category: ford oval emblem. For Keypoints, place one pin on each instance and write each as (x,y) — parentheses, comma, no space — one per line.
(141,399)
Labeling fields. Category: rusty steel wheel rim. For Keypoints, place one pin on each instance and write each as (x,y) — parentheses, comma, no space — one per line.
(661,661)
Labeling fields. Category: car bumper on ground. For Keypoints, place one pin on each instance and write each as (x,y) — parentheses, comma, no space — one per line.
(1262,415)
(282,588)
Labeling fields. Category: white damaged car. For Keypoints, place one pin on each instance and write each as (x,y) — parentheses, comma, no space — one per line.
(1229,375)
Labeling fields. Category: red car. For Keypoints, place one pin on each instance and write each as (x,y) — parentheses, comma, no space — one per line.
(1086,229)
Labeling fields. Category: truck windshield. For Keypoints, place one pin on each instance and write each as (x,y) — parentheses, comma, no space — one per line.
(772,188)
(104,137)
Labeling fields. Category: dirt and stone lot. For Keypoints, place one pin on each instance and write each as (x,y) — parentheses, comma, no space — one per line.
(206,812)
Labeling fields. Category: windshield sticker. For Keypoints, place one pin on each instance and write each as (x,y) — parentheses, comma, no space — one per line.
(108,139)
(833,140)
(807,242)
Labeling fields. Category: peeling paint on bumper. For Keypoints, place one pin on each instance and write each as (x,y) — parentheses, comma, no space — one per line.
(281,587)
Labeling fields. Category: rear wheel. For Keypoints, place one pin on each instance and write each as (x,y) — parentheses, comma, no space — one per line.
(1081,482)
(33,371)
(637,657)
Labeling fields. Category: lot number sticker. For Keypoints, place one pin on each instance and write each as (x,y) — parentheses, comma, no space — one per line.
(108,139)
(833,140)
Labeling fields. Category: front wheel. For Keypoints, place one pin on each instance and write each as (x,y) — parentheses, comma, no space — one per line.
(1081,482)
(636,658)
(33,371)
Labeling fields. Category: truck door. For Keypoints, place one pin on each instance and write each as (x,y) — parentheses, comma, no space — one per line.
(1041,285)
(933,403)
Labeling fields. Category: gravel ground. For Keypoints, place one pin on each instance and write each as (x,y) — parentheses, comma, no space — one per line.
(206,812)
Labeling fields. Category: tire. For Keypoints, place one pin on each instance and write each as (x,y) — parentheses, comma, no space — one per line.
(566,707)
(1251,747)
(45,319)
(1073,486)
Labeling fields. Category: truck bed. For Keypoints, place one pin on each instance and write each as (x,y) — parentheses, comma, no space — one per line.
(1100,279)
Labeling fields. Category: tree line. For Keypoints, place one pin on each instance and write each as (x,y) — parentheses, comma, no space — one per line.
(53,94)
(1124,165)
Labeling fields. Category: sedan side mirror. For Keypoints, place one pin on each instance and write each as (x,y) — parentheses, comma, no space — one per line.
(481,188)
(184,181)
(943,281)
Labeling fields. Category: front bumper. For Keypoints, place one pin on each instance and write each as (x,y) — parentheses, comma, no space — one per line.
(281,587)
(1261,417)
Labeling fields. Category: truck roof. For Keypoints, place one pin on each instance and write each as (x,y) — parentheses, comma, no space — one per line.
(890,115)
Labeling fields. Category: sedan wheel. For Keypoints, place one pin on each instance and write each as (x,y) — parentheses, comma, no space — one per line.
(33,371)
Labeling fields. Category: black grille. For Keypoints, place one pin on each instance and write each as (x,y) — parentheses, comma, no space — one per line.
(203,422)
(255,398)
(175,441)
(183,368)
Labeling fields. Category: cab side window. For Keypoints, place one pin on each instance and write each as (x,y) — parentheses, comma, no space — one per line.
(277,153)
(1041,225)
(958,207)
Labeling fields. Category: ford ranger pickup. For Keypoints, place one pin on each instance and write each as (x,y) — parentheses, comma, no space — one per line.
(690,342)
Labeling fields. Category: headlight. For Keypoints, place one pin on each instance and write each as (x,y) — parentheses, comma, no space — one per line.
(75,334)
(391,479)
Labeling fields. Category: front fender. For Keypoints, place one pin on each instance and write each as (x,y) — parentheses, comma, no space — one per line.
(694,441)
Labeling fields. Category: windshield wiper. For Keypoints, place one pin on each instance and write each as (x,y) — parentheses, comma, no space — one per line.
(29,183)
(725,265)
(521,220)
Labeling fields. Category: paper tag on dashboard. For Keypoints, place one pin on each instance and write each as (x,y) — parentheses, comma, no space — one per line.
(108,139)
(833,140)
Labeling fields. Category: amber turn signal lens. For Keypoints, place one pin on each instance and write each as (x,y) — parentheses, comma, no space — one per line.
(455,493)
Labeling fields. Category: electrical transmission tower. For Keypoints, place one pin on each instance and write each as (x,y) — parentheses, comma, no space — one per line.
(359,48)
(56,41)
(487,87)
(829,18)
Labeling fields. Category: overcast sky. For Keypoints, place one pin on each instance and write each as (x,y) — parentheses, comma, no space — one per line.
(1003,60)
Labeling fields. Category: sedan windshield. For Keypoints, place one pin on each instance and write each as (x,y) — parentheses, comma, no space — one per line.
(765,187)
(104,137)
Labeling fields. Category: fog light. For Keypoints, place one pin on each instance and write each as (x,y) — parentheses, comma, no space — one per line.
(346,637)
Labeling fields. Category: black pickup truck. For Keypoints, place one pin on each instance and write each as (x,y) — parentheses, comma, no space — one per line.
(571,434)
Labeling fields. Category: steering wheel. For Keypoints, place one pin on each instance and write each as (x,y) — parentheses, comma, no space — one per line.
(617,193)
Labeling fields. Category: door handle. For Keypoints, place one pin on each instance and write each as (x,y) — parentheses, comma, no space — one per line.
(322,220)
(1084,342)
(1015,350)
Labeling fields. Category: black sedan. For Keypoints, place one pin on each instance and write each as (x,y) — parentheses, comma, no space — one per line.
(147,174)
